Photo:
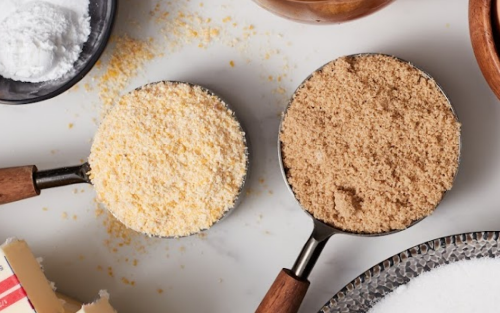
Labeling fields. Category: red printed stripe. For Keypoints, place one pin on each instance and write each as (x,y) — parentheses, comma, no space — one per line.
(8,283)
(12,298)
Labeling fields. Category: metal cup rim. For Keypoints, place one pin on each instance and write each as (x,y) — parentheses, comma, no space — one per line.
(335,230)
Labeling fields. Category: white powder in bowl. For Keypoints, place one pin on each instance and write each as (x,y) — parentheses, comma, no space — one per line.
(41,40)
(461,287)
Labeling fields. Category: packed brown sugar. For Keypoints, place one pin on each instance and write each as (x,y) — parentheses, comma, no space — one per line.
(370,144)
(169,159)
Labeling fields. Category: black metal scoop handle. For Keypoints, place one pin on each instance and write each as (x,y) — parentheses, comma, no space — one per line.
(17,183)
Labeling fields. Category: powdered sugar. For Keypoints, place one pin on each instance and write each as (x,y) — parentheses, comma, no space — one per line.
(41,40)
(461,287)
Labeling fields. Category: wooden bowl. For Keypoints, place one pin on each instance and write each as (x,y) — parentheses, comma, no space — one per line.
(322,11)
(484,29)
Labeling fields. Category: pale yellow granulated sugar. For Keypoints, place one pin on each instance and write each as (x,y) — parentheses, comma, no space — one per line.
(168,160)
(370,144)
(127,58)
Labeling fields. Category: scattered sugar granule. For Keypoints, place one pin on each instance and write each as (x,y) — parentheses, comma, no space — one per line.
(128,282)
(370,144)
(183,153)
(461,287)
(128,57)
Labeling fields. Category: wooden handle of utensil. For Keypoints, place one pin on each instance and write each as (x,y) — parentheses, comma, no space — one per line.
(285,295)
(17,183)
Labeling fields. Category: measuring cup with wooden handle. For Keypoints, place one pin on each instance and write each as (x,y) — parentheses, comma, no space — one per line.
(290,286)
(17,183)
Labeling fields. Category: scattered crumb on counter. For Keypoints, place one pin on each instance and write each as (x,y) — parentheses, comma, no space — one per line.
(159,291)
(182,249)
(126,281)
(120,237)
(182,266)
(262,180)
(81,257)
(135,262)
(64,215)
(45,209)
(54,151)
(110,272)
(231,63)
(279,90)
(127,58)
(75,217)
(99,268)
(98,211)
(179,24)
(70,125)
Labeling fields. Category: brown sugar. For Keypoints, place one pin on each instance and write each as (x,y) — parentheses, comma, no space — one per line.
(370,144)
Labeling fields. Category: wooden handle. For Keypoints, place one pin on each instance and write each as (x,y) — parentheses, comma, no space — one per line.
(16,183)
(285,295)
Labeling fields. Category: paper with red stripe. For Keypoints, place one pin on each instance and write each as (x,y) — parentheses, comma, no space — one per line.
(13,297)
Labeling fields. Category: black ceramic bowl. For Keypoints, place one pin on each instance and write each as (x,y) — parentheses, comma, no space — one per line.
(102,14)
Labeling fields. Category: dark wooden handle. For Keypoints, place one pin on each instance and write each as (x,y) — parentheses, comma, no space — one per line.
(285,295)
(16,183)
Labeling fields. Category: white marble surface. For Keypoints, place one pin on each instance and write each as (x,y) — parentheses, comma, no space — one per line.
(231,268)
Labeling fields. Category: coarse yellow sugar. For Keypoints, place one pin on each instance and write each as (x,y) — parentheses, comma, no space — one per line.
(169,159)
(127,58)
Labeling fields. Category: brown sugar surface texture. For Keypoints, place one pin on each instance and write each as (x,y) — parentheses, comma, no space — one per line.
(169,160)
(370,144)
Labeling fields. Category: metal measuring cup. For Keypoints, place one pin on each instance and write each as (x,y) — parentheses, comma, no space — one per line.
(18,183)
(290,286)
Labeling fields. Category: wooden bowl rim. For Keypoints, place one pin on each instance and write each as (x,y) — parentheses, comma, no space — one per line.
(483,42)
